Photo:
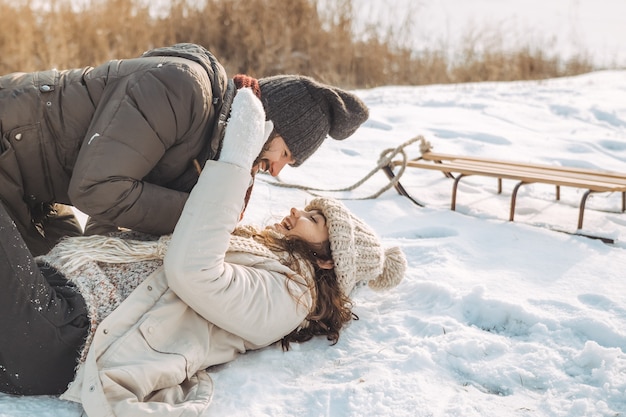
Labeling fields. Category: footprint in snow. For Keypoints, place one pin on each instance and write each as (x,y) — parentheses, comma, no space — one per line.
(350,152)
(610,118)
(600,302)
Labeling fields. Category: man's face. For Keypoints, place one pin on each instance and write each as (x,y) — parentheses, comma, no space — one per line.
(274,156)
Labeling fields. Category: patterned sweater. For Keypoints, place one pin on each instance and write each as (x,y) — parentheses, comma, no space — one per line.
(102,285)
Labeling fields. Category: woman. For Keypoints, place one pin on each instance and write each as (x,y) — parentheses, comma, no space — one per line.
(143,326)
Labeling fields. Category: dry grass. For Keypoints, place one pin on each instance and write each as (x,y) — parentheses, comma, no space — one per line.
(259,38)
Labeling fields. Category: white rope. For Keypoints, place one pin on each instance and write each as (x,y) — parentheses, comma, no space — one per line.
(385,159)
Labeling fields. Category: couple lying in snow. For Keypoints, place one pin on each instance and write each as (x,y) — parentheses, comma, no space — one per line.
(127,324)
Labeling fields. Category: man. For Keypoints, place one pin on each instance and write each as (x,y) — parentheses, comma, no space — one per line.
(124,142)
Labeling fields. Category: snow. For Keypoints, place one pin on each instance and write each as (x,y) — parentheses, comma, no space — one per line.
(494,317)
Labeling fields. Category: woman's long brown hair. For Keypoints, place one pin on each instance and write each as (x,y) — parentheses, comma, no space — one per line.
(332,308)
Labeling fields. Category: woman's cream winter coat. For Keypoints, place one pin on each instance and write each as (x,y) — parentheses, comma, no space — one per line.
(201,309)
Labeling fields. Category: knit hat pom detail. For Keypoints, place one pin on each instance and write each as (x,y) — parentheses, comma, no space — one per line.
(394,268)
(341,108)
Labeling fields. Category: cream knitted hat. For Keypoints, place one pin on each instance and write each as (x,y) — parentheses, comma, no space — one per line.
(356,250)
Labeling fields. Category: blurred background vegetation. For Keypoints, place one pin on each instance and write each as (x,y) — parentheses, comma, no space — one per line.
(261,38)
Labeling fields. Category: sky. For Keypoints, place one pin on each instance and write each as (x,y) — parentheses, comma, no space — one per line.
(493,318)
(594,28)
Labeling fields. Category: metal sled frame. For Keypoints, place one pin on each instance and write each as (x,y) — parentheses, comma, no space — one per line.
(525,173)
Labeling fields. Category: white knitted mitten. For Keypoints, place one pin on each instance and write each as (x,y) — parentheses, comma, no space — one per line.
(246,131)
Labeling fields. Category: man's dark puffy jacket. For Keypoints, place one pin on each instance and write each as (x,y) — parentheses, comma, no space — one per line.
(117,141)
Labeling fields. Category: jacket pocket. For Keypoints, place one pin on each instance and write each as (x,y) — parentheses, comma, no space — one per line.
(12,193)
(133,363)
(184,333)
(10,176)
(27,145)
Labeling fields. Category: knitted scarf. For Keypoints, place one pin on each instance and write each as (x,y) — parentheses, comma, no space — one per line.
(75,252)
(106,269)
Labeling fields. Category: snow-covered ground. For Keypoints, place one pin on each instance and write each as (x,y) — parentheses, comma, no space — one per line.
(494,318)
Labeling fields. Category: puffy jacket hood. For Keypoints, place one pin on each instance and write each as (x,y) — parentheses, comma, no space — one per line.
(202,56)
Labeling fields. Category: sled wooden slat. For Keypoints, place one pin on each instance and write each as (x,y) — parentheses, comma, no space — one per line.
(525,173)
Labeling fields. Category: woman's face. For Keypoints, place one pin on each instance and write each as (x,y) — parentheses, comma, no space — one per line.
(309,226)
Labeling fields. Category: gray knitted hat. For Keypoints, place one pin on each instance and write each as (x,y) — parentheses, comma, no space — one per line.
(304,112)
(356,250)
